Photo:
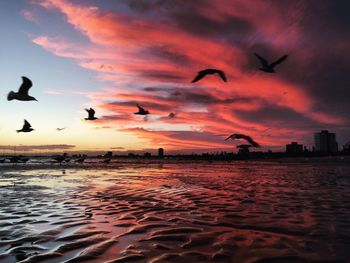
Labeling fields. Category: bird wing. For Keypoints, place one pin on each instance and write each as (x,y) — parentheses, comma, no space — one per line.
(278,61)
(140,108)
(26,85)
(222,75)
(251,141)
(200,75)
(230,137)
(26,125)
(262,60)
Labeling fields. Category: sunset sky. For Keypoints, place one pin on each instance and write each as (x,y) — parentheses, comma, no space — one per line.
(110,55)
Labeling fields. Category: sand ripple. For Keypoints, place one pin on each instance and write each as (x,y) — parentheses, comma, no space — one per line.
(203,212)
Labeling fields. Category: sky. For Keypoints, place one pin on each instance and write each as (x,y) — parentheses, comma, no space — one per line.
(111,55)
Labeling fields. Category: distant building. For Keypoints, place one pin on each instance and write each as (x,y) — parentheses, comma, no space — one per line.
(346,147)
(294,148)
(147,154)
(161,152)
(325,142)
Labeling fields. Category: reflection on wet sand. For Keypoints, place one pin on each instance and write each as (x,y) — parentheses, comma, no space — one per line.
(202,212)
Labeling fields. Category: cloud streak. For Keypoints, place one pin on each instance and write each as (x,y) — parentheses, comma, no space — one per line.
(150,50)
(29,148)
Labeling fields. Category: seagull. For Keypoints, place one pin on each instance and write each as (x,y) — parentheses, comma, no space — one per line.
(26,127)
(91,113)
(60,129)
(141,111)
(269,68)
(201,74)
(22,93)
(242,136)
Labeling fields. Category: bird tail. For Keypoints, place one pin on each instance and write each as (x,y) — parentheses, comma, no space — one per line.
(11,95)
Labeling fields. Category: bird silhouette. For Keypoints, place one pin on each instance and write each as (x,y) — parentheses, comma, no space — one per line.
(269,67)
(91,113)
(26,127)
(244,137)
(22,93)
(141,111)
(209,71)
(60,129)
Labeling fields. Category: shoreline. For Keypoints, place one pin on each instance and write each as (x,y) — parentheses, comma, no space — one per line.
(125,162)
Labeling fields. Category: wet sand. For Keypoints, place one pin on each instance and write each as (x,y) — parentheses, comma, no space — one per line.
(176,212)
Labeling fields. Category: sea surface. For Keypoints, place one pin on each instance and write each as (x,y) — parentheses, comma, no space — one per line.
(176,211)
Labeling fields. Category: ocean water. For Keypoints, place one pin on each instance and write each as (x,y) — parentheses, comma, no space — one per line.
(176,211)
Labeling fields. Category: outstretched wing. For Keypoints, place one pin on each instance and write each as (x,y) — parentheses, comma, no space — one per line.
(199,76)
(278,61)
(26,125)
(140,108)
(262,60)
(222,75)
(26,85)
(232,136)
(251,141)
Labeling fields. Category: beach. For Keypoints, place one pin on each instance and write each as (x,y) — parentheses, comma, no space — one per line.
(168,211)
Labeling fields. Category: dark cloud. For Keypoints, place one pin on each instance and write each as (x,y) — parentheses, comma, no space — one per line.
(278,117)
(160,75)
(117,148)
(37,147)
(169,54)
(200,96)
(232,29)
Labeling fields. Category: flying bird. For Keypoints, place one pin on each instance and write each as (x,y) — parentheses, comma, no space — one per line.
(91,113)
(244,137)
(60,129)
(26,127)
(22,93)
(209,71)
(141,111)
(269,67)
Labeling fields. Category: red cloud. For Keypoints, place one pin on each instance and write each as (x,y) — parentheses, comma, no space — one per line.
(151,61)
